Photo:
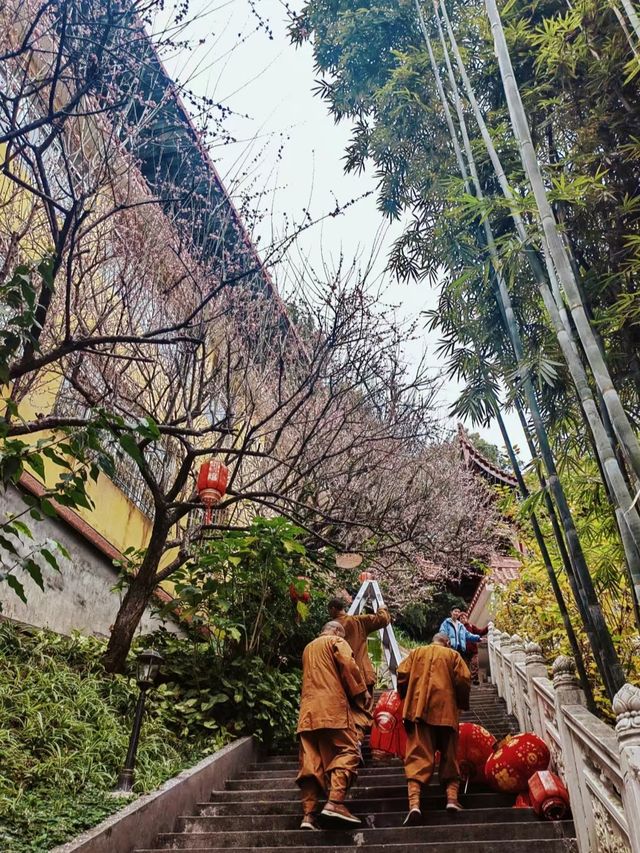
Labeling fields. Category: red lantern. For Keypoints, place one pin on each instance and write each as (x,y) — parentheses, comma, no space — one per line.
(475,745)
(365,576)
(387,732)
(212,485)
(515,760)
(549,796)
(300,590)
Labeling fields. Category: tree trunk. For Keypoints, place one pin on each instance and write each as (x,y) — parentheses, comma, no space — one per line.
(135,601)
(548,564)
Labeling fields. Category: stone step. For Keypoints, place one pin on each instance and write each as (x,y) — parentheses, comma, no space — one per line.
(365,837)
(260,822)
(367,800)
(564,845)
(373,770)
(284,781)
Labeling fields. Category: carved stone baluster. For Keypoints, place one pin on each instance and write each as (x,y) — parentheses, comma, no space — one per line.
(496,672)
(507,692)
(519,701)
(491,652)
(626,706)
(536,667)
(567,692)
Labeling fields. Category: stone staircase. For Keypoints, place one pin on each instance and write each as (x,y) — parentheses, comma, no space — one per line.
(260,810)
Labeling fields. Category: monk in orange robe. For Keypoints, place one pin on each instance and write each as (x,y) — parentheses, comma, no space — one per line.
(356,631)
(435,683)
(332,686)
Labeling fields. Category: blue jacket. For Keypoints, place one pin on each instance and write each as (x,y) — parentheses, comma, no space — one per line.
(458,635)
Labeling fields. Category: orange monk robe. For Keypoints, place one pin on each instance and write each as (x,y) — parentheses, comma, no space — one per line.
(436,683)
(328,753)
(356,631)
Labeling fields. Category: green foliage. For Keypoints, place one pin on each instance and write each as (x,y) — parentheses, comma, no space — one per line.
(74,456)
(527,606)
(202,695)
(421,619)
(65,723)
(64,729)
(240,588)
(19,295)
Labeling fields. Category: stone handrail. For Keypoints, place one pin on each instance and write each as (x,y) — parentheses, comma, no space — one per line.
(600,764)
(369,594)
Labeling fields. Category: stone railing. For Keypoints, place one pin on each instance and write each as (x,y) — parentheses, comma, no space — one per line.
(600,764)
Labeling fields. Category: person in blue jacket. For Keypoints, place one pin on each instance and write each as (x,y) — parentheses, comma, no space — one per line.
(457,633)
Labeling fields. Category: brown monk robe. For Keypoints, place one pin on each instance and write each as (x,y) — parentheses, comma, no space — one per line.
(435,683)
(356,631)
(328,746)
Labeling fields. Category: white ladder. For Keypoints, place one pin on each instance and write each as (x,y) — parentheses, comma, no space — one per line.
(369,593)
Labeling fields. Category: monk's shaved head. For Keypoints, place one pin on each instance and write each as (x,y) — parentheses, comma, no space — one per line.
(441,640)
(336,606)
(334,628)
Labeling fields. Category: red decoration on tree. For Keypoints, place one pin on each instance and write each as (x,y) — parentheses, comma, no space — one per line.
(365,576)
(515,760)
(549,796)
(475,745)
(212,485)
(387,732)
(300,590)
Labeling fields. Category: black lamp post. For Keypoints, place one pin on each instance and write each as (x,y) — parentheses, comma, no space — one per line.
(147,670)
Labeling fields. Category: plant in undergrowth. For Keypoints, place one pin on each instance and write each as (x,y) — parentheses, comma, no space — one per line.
(64,730)
(201,694)
(248,588)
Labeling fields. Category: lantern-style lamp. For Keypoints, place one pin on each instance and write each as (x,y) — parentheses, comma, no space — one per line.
(212,485)
(549,796)
(147,669)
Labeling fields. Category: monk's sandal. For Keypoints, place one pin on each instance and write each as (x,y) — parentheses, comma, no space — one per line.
(340,812)
(414,818)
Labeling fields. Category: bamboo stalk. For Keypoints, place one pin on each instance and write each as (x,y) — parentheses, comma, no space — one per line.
(600,639)
(621,424)
(627,515)
(548,564)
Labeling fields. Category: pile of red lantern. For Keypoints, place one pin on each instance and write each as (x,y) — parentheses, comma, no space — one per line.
(519,765)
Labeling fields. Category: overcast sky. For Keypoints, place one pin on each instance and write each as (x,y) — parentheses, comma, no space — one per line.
(289,152)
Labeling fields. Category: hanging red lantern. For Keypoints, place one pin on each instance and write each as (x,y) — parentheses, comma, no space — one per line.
(475,745)
(300,590)
(212,485)
(515,760)
(549,796)
(387,732)
(365,576)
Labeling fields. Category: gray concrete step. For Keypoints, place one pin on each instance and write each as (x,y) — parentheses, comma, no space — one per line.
(270,821)
(564,845)
(369,800)
(365,837)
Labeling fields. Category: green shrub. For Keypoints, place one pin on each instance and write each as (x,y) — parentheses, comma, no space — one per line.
(64,726)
